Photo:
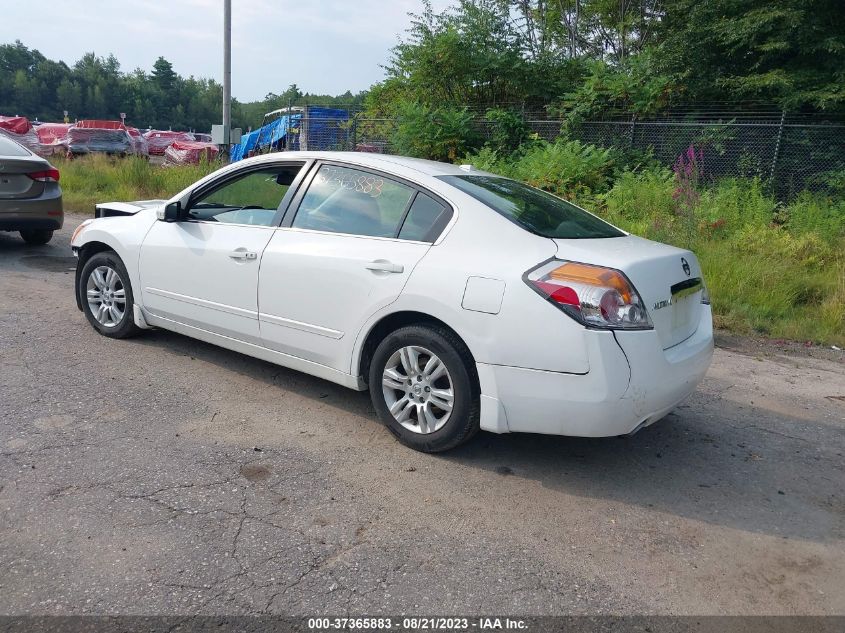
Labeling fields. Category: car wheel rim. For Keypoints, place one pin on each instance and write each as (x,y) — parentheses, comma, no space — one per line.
(418,389)
(106,296)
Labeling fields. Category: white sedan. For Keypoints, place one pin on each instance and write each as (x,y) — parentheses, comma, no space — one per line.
(462,300)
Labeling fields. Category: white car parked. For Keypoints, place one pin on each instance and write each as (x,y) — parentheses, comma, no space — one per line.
(461,299)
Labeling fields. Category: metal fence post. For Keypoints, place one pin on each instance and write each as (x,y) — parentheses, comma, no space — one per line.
(287,126)
(777,148)
(304,132)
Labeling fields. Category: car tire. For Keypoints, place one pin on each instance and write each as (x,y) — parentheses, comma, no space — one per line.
(36,236)
(105,294)
(418,409)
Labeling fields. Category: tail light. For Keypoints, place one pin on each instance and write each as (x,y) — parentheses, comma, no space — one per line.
(592,295)
(48,175)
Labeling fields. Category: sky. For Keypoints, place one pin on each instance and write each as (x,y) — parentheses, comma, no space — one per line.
(323,46)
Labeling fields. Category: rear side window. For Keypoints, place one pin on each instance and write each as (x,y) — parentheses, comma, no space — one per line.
(9,148)
(346,200)
(425,221)
(533,209)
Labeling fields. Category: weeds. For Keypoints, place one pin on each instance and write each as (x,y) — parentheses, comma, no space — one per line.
(87,180)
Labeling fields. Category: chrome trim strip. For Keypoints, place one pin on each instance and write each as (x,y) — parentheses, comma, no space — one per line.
(299,325)
(222,224)
(203,303)
(296,229)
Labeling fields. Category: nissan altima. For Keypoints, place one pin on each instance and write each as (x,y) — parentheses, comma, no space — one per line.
(460,299)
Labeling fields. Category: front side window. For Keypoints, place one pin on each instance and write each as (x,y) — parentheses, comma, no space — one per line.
(347,200)
(533,209)
(253,198)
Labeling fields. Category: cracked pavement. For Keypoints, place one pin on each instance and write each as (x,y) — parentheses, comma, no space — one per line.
(162,475)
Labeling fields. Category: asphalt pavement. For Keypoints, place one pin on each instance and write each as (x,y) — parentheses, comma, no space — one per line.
(162,475)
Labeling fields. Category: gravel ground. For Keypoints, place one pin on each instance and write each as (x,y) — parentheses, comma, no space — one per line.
(164,475)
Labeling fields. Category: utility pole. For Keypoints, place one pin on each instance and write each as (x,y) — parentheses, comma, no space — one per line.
(227,72)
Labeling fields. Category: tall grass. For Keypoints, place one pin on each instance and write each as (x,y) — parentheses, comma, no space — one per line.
(87,180)
(777,270)
(772,269)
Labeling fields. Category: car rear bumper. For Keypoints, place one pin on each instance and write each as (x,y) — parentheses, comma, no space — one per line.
(632,383)
(44,212)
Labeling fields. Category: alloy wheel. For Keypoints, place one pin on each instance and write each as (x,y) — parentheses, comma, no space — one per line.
(106,296)
(418,389)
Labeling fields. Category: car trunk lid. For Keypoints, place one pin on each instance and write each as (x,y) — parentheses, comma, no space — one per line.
(668,279)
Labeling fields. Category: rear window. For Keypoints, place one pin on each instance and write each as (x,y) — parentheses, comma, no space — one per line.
(534,209)
(9,148)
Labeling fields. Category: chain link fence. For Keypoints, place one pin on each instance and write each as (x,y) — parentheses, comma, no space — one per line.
(791,156)
(790,152)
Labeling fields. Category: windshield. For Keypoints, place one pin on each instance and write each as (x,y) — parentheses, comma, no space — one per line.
(534,209)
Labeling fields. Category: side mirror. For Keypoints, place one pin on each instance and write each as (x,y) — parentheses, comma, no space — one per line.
(172,212)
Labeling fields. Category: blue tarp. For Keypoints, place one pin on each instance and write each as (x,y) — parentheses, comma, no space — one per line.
(325,129)
(247,143)
(266,135)
(324,132)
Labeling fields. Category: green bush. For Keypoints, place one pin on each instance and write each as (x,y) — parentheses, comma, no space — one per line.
(569,169)
(734,203)
(488,159)
(814,213)
(443,133)
(566,168)
(508,130)
(643,196)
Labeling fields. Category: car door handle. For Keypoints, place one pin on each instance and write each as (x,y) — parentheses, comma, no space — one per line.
(384,266)
(241,255)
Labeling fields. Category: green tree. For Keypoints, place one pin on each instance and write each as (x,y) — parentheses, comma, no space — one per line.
(69,96)
(791,52)
(634,86)
(14,58)
(293,93)
(470,54)
(163,75)
(26,91)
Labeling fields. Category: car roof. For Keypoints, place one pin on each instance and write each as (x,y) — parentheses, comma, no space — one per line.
(368,159)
